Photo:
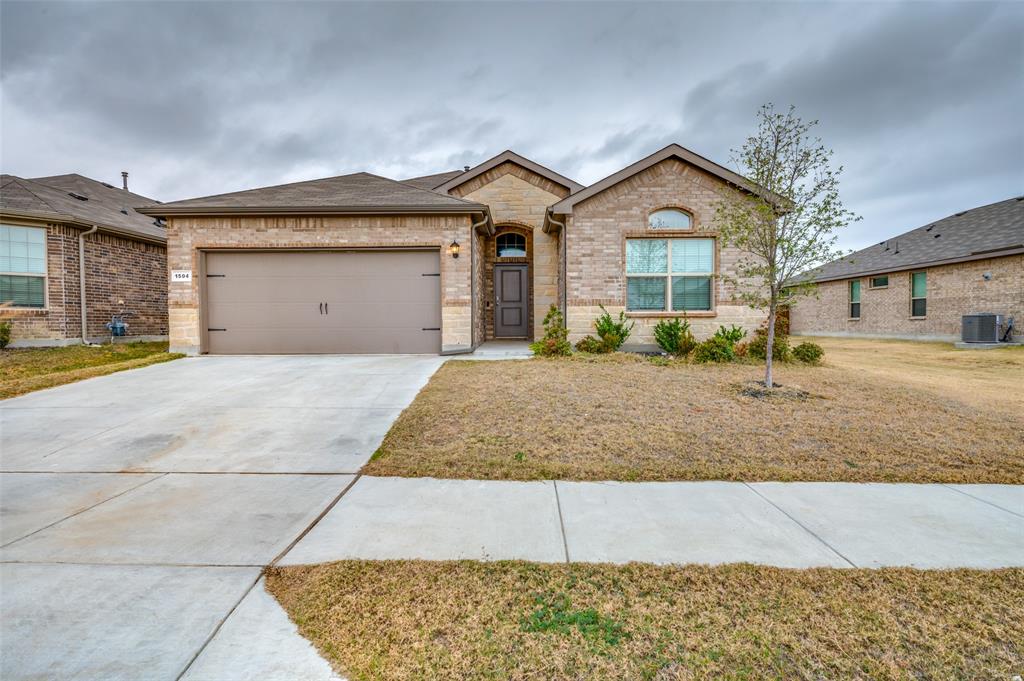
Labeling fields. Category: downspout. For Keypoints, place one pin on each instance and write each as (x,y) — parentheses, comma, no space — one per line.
(472,280)
(565,268)
(81,282)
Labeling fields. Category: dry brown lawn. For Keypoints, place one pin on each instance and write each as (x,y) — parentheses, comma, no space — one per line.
(466,620)
(24,370)
(885,411)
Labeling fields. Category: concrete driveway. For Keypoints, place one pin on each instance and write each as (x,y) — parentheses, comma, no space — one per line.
(137,510)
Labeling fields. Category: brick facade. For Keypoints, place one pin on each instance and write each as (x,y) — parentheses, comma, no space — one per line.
(596,235)
(188,237)
(116,269)
(518,199)
(952,291)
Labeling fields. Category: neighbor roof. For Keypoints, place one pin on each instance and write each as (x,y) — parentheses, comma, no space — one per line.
(565,206)
(509,156)
(984,232)
(355,193)
(432,181)
(49,198)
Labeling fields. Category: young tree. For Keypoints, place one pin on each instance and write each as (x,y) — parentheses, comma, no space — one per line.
(787,225)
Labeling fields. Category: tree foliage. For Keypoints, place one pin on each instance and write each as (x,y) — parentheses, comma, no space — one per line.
(787,225)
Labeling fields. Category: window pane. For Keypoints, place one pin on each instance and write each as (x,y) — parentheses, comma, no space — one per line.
(22,249)
(880,282)
(691,293)
(918,285)
(511,245)
(669,218)
(22,291)
(645,293)
(855,310)
(919,307)
(693,255)
(646,256)
(855,291)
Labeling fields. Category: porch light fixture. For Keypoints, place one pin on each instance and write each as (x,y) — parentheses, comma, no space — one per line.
(453,249)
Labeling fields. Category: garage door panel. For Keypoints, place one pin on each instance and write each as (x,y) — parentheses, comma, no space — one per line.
(375,302)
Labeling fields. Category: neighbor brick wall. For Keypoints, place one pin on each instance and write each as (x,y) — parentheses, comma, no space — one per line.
(952,290)
(519,198)
(116,269)
(187,236)
(596,235)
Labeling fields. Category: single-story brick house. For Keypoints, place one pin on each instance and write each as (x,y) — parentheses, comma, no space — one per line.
(440,263)
(919,284)
(48,227)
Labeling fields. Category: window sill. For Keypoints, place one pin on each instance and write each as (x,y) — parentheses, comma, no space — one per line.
(671,315)
(853,319)
(913,319)
(25,311)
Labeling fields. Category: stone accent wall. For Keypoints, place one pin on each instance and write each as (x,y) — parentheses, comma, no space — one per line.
(188,236)
(596,254)
(116,269)
(952,291)
(520,198)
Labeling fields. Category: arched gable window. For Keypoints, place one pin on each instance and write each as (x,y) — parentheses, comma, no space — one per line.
(510,245)
(669,218)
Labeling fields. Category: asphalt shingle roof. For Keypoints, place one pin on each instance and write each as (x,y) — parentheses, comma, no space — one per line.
(107,206)
(971,233)
(432,181)
(355,191)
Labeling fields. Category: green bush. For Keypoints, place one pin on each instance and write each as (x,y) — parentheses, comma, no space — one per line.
(5,334)
(674,336)
(758,346)
(555,342)
(809,353)
(613,333)
(714,349)
(592,345)
(732,335)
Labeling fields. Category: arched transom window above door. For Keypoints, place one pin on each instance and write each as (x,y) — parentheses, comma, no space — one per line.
(669,218)
(510,245)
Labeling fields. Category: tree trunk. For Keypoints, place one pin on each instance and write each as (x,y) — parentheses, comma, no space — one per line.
(770,345)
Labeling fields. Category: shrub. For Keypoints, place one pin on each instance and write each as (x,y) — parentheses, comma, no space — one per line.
(758,346)
(741,350)
(714,349)
(592,345)
(809,353)
(613,333)
(5,334)
(674,336)
(555,342)
(733,335)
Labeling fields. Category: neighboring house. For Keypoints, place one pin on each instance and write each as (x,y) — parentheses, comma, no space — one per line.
(47,226)
(365,264)
(919,284)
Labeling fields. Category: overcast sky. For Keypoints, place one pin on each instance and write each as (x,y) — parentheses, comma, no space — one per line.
(922,102)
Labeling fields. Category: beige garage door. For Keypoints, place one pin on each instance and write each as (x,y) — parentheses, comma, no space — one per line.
(293,302)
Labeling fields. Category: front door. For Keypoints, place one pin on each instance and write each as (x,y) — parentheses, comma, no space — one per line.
(511,300)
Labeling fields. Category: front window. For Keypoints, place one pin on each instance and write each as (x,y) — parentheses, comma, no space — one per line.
(23,266)
(669,218)
(855,299)
(669,275)
(918,294)
(510,245)
(880,282)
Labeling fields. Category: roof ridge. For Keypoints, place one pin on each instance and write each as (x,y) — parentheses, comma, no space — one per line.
(269,186)
(428,191)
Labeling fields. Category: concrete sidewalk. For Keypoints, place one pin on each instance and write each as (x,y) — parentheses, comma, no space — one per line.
(794,525)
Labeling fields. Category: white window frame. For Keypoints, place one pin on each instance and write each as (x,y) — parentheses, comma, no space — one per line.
(673,209)
(871,281)
(669,275)
(44,275)
(924,297)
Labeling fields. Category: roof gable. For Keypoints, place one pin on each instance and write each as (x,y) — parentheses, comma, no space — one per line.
(357,192)
(49,198)
(982,232)
(565,206)
(509,156)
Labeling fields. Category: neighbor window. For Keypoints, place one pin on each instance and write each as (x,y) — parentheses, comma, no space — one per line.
(855,299)
(511,245)
(918,294)
(669,274)
(880,282)
(669,218)
(23,266)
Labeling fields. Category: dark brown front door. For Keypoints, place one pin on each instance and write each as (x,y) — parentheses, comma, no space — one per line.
(511,296)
